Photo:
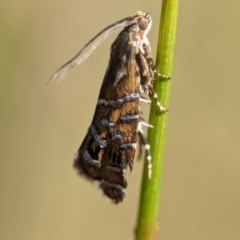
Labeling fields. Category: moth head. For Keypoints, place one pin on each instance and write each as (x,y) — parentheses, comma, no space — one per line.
(144,24)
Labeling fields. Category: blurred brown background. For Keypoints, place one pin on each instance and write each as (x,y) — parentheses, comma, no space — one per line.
(41,127)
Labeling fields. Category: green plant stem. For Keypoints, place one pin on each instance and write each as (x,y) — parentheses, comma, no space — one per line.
(147,222)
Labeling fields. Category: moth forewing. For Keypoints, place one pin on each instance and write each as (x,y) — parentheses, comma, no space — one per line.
(109,146)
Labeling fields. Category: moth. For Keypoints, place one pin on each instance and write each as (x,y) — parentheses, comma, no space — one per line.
(109,146)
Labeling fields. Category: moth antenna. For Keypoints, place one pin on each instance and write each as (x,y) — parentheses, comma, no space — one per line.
(88,49)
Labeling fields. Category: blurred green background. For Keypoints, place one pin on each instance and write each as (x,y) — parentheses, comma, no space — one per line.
(41,127)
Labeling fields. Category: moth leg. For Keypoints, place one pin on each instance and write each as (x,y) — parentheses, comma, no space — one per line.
(145,124)
(143,99)
(151,65)
(146,145)
(145,63)
(163,77)
(153,94)
(146,50)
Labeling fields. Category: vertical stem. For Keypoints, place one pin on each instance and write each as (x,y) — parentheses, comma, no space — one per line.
(147,222)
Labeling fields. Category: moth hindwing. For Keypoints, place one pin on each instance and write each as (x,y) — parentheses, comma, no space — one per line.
(110,144)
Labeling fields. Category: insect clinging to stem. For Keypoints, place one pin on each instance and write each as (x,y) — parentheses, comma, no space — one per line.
(109,146)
